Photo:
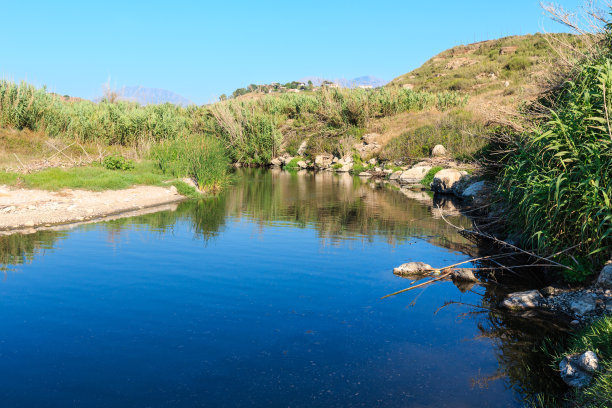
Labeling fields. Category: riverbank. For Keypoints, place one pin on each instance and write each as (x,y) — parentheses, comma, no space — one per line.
(26,210)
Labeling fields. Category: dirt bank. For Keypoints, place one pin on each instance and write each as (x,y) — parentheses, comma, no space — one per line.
(22,209)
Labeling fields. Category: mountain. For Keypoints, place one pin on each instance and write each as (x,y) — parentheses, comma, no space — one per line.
(146,96)
(366,80)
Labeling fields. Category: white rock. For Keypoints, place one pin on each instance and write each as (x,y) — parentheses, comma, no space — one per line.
(412,268)
(583,304)
(302,164)
(438,151)
(577,369)
(396,175)
(414,175)
(323,161)
(474,189)
(365,174)
(372,161)
(276,162)
(523,300)
(302,149)
(370,138)
(464,274)
(445,180)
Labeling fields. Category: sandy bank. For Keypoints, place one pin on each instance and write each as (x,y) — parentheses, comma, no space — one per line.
(24,210)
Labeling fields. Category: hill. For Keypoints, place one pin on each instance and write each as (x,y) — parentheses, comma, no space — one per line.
(506,64)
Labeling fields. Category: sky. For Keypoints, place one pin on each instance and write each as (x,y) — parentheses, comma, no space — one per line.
(202,49)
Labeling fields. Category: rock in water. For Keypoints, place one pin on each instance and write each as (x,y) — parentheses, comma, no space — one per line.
(302,164)
(464,275)
(523,300)
(412,268)
(438,151)
(605,277)
(414,175)
(396,175)
(577,369)
(276,162)
(323,161)
(445,180)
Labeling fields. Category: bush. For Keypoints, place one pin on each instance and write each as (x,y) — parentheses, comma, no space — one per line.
(117,163)
(558,180)
(201,158)
(517,63)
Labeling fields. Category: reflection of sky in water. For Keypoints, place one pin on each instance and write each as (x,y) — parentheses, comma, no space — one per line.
(266,313)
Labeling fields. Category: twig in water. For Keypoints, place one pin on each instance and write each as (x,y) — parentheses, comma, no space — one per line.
(418,286)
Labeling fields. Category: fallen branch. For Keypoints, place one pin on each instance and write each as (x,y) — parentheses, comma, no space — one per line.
(418,286)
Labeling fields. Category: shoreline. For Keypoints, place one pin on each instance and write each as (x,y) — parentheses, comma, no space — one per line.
(29,210)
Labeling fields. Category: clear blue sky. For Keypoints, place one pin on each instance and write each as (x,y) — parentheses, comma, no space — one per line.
(203,49)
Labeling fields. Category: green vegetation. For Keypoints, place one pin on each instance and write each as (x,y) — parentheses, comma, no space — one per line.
(486,66)
(428,179)
(557,181)
(117,163)
(596,337)
(457,131)
(201,158)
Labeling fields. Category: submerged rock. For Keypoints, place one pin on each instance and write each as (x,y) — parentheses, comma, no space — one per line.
(577,369)
(413,268)
(523,300)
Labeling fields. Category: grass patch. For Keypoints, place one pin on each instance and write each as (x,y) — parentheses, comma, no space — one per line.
(428,179)
(95,178)
(293,163)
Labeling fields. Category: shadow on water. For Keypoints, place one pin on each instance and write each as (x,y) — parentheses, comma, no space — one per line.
(341,208)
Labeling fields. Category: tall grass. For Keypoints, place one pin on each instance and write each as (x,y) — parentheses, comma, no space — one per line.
(558,181)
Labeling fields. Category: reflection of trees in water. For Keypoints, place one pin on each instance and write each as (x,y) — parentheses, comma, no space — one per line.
(519,340)
(337,206)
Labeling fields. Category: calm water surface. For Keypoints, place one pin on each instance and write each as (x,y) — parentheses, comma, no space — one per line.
(267,296)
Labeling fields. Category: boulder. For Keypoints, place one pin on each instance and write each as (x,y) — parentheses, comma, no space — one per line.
(412,268)
(414,175)
(276,162)
(523,300)
(577,369)
(445,180)
(302,149)
(583,304)
(323,161)
(438,151)
(364,149)
(370,138)
(396,175)
(474,190)
(605,277)
(345,168)
(464,275)
(302,164)
(286,160)
(372,161)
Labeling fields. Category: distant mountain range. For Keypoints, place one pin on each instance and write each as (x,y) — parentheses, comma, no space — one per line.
(367,80)
(151,96)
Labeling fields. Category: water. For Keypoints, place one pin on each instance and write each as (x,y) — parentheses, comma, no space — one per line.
(267,296)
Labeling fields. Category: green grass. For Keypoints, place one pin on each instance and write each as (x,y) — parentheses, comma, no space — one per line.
(95,178)
(596,337)
(293,163)
(428,179)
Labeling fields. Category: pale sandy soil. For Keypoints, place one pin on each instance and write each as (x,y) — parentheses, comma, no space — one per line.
(25,210)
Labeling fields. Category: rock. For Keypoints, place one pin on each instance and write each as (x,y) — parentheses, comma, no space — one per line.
(372,161)
(438,151)
(549,291)
(523,300)
(335,159)
(302,149)
(444,180)
(474,189)
(302,164)
(577,369)
(365,174)
(413,268)
(370,138)
(345,169)
(605,277)
(414,175)
(574,322)
(464,274)
(173,190)
(583,304)
(396,175)
(276,162)
(323,161)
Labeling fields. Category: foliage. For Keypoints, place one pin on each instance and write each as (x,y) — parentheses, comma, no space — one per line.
(428,179)
(117,163)
(558,182)
(202,158)
(456,131)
